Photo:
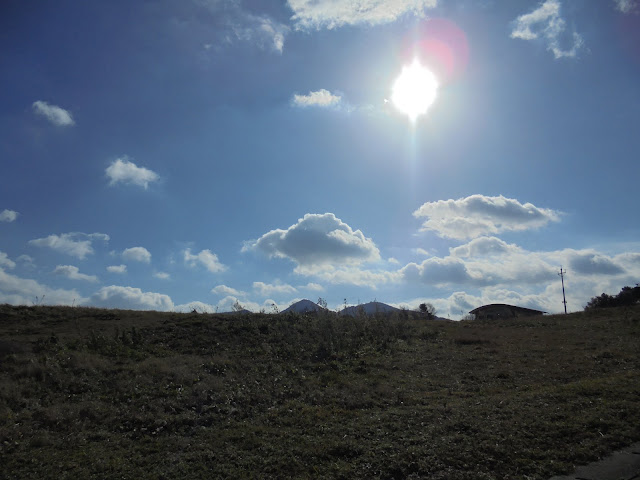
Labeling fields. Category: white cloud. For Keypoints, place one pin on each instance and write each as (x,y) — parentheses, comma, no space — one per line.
(593,263)
(227,305)
(56,115)
(70,243)
(478,215)
(137,254)
(507,273)
(349,275)
(8,216)
(483,246)
(317,240)
(321,98)
(73,273)
(5,261)
(21,291)
(314,287)
(162,275)
(438,271)
(546,23)
(130,298)
(266,289)
(224,290)
(198,306)
(335,13)
(626,6)
(206,258)
(122,170)
(117,269)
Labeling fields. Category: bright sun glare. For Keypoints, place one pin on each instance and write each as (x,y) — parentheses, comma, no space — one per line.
(414,90)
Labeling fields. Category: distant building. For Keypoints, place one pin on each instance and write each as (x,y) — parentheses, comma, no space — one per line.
(502,310)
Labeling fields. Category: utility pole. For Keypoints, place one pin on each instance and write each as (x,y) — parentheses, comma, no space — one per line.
(564,300)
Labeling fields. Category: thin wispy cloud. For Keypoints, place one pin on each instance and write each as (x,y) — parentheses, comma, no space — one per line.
(545,23)
(122,170)
(205,258)
(265,32)
(56,115)
(73,273)
(626,6)
(232,23)
(8,216)
(75,244)
(312,14)
(321,98)
(162,275)
(479,215)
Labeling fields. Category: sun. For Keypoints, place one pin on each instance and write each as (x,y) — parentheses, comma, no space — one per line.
(414,90)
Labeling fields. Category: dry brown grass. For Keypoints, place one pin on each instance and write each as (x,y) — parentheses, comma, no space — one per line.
(89,393)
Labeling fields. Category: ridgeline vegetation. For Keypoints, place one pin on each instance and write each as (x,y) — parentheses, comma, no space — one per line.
(627,296)
(105,394)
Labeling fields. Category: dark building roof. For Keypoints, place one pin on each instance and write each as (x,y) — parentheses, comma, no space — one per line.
(503,306)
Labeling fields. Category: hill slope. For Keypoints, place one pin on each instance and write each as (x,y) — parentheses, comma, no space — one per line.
(89,393)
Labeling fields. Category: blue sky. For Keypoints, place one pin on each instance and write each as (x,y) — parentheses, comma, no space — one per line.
(175,155)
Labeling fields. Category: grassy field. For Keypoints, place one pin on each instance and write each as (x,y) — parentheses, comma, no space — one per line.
(89,393)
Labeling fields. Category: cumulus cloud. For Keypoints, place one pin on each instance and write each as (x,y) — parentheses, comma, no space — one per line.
(438,271)
(205,258)
(137,254)
(594,263)
(350,275)
(317,240)
(162,275)
(320,98)
(8,216)
(478,215)
(546,23)
(73,273)
(224,290)
(483,246)
(5,261)
(266,289)
(120,269)
(198,306)
(335,13)
(56,115)
(489,262)
(76,244)
(130,298)
(22,291)
(122,170)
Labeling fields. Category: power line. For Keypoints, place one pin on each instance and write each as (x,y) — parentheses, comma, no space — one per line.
(564,300)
